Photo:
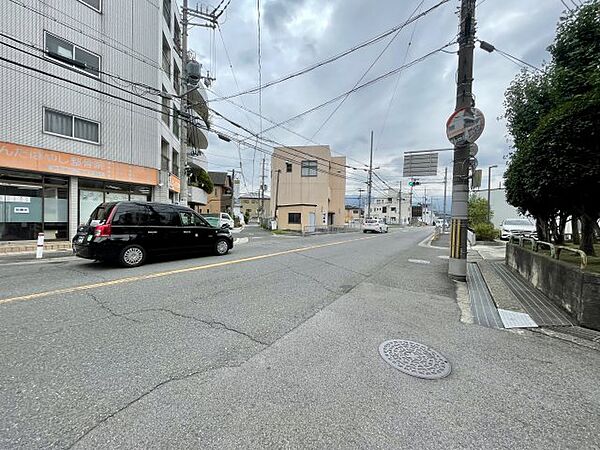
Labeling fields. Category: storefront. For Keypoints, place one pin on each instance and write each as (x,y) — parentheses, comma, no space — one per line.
(53,192)
(32,203)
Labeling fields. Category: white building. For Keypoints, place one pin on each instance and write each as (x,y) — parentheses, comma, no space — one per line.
(388,206)
(65,148)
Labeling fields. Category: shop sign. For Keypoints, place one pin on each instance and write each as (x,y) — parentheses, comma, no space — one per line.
(51,161)
(21,210)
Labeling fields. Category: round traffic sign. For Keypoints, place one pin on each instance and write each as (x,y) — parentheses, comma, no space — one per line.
(465,126)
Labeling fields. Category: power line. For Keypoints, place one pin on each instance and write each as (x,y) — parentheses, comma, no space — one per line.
(36,11)
(387,112)
(365,73)
(333,58)
(362,86)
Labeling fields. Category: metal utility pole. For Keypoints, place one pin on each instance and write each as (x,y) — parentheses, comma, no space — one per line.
(489,212)
(457,267)
(370,182)
(445,188)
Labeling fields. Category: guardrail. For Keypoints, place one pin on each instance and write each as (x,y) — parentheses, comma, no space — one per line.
(581,253)
(307,230)
(555,250)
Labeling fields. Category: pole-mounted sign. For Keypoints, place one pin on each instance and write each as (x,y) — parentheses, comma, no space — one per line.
(465,126)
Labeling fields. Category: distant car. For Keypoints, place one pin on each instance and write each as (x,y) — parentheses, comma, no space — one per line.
(517,227)
(375,226)
(219,220)
(129,232)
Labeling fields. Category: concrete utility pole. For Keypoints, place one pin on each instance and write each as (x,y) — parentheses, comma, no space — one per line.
(489,212)
(400,203)
(262,190)
(277,193)
(183,194)
(370,182)
(445,188)
(457,267)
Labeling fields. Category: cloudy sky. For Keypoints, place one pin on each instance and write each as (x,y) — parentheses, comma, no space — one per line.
(407,111)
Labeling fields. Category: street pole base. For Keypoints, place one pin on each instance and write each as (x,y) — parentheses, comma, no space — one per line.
(457,269)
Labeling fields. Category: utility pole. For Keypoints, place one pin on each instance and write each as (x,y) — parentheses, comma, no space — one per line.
(262,189)
(445,187)
(370,182)
(183,194)
(360,191)
(277,193)
(400,203)
(489,211)
(457,267)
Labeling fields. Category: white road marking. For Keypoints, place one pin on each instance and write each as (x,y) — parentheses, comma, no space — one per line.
(419,261)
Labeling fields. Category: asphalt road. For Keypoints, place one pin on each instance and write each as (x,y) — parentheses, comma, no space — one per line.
(275,345)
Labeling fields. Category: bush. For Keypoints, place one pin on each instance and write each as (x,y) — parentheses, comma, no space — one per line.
(485,232)
(247,217)
(236,222)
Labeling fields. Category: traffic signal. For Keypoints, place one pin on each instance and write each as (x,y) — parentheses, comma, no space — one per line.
(412,183)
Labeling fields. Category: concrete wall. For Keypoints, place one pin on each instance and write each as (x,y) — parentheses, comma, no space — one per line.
(577,292)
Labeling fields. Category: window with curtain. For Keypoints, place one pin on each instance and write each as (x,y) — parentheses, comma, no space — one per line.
(67,125)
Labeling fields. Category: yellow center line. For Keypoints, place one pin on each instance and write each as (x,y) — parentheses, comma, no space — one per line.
(171,272)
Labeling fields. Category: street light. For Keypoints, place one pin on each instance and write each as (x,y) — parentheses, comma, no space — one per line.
(489,187)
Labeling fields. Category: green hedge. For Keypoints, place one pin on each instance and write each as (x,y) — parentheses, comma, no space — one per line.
(485,232)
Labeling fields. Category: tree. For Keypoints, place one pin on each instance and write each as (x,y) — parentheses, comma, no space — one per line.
(554,119)
(478,211)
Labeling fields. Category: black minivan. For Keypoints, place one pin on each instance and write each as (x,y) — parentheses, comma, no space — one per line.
(129,232)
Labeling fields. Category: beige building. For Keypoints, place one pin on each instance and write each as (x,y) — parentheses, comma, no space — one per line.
(250,203)
(353,213)
(308,186)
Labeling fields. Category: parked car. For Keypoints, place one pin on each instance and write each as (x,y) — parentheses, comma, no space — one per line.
(219,220)
(517,227)
(375,226)
(129,232)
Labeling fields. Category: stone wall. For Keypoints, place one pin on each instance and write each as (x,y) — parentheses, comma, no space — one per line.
(577,292)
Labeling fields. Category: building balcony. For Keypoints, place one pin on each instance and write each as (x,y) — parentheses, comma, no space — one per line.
(197,195)
(197,158)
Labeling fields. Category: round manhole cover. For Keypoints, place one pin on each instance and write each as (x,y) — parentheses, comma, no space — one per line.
(415,359)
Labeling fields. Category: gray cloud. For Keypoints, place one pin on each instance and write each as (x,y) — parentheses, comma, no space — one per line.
(299,32)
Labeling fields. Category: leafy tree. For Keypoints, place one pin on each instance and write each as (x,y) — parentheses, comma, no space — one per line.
(199,177)
(554,119)
(478,211)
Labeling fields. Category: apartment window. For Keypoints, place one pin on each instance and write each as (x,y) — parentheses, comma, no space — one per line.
(165,107)
(175,163)
(71,126)
(295,218)
(64,51)
(164,155)
(166,56)
(309,168)
(167,12)
(177,37)
(288,167)
(176,78)
(96,5)
(176,123)
(389,199)
(384,209)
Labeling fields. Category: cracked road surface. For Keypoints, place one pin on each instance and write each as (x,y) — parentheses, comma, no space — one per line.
(276,351)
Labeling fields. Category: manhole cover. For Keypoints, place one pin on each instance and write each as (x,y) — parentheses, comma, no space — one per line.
(415,359)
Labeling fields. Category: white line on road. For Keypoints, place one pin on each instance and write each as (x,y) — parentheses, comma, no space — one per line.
(419,261)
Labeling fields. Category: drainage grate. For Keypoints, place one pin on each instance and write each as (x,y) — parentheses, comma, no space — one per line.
(415,359)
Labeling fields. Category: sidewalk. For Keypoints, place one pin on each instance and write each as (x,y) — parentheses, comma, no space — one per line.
(500,298)
(31,246)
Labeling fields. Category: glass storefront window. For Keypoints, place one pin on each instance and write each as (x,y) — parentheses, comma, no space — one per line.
(88,200)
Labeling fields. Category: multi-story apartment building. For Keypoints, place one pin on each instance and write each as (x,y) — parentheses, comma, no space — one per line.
(72,133)
(386,206)
(308,186)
